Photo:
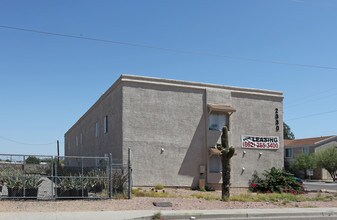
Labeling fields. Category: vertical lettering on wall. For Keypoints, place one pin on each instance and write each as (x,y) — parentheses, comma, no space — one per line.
(277,123)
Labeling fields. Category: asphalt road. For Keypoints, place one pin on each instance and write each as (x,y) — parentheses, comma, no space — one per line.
(282,218)
(316,186)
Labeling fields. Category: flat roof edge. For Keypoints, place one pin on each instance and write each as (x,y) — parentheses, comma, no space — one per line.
(172,82)
(100,99)
(127,77)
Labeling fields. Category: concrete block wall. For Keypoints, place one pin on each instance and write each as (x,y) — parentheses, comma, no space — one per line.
(165,128)
(111,142)
(255,115)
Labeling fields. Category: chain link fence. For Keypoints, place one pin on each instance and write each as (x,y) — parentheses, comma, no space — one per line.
(66,177)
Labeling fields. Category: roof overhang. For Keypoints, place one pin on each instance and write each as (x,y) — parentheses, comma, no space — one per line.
(221,108)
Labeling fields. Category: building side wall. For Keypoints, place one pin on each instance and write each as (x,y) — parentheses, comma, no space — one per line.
(111,142)
(255,115)
(165,128)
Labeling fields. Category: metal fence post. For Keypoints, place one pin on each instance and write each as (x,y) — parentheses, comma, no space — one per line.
(110,176)
(24,176)
(52,175)
(55,162)
(129,174)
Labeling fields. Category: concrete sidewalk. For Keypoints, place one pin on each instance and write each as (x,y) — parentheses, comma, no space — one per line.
(174,214)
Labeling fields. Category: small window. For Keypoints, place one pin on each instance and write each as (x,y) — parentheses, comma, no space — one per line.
(81,138)
(106,122)
(218,121)
(215,165)
(306,150)
(76,141)
(97,129)
(289,153)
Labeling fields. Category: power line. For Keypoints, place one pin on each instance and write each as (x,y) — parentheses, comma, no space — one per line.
(317,93)
(200,53)
(23,143)
(312,115)
(311,100)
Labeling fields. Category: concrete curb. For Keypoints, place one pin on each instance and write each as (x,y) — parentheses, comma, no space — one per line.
(249,213)
(174,214)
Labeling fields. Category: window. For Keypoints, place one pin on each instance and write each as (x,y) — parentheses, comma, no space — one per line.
(76,140)
(215,164)
(106,124)
(306,150)
(289,153)
(97,129)
(218,121)
(81,138)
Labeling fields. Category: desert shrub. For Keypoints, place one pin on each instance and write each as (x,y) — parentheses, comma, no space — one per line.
(119,180)
(149,193)
(157,216)
(158,187)
(275,181)
(97,180)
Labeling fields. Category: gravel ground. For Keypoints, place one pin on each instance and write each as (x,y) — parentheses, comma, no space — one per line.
(146,203)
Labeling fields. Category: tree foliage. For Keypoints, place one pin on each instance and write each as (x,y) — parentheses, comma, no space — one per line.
(226,154)
(327,159)
(304,162)
(287,133)
(32,160)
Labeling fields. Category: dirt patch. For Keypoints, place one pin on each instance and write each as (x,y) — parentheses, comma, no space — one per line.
(181,199)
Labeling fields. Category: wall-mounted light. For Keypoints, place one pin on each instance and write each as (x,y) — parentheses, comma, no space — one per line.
(244,153)
(242,170)
(260,154)
(162,150)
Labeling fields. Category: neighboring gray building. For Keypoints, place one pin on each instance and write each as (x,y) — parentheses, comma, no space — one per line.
(296,147)
(173,127)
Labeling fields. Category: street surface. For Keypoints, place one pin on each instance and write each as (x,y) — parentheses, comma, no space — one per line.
(282,218)
(316,186)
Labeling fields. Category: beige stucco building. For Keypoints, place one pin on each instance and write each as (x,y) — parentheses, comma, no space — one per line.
(296,147)
(173,126)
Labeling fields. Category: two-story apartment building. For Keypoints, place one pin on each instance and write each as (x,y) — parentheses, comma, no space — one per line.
(296,147)
(172,128)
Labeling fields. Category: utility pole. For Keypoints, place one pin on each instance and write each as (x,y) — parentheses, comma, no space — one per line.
(58,151)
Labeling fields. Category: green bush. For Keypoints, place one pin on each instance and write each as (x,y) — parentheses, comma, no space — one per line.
(33,160)
(275,181)
(158,187)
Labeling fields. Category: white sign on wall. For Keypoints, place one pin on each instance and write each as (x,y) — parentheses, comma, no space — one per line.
(260,142)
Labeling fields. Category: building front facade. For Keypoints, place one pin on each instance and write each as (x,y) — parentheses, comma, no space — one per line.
(172,128)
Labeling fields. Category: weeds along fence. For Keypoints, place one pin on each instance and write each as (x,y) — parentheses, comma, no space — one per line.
(66,177)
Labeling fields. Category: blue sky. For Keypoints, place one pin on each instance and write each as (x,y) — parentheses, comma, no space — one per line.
(47,82)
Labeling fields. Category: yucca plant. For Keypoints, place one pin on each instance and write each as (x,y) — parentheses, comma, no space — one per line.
(73,186)
(33,182)
(19,184)
(97,180)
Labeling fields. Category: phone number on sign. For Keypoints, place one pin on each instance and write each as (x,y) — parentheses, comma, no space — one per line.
(260,145)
